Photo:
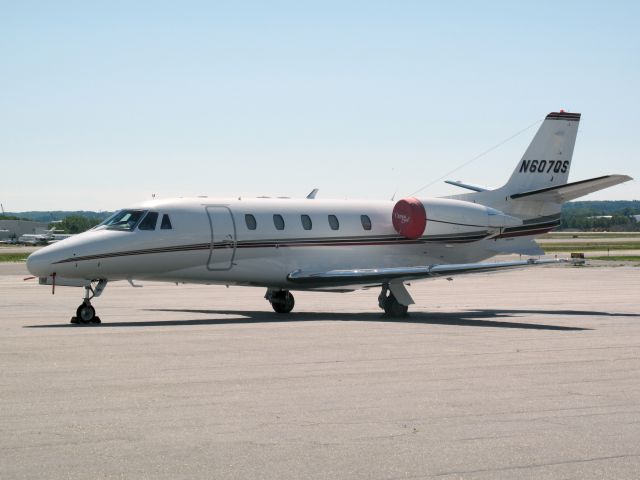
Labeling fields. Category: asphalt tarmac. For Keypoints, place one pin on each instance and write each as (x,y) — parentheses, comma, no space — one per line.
(525,374)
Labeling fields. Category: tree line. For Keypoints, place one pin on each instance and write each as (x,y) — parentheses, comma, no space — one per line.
(603,215)
(75,224)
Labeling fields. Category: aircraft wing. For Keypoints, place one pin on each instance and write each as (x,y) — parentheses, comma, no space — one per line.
(386,275)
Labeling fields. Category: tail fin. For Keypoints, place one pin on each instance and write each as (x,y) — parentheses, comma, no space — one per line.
(547,161)
(538,186)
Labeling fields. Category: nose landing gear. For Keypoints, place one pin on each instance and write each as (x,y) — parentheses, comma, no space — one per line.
(85,313)
(282,301)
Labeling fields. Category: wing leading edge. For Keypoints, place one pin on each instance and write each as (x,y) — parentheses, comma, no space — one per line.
(387,275)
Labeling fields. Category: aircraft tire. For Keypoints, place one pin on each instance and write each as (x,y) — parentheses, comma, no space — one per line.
(393,308)
(86,314)
(283,303)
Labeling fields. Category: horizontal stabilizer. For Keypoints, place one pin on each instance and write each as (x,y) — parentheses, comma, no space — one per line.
(468,186)
(386,275)
(570,191)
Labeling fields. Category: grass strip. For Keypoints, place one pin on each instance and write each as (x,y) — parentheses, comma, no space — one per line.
(617,258)
(13,257)
(588,246)
(569,236)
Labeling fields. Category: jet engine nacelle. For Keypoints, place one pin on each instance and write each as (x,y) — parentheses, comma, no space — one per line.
(447,217)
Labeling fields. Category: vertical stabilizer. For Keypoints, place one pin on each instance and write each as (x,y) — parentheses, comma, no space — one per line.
(547,161)
(538,186)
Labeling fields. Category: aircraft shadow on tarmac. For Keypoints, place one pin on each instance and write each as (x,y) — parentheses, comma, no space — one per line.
(470,318)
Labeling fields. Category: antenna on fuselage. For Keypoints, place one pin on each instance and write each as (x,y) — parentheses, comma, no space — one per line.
(313,193)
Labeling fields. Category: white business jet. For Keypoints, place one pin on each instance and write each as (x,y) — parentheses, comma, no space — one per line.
(45,238)
(37,238)
(327,245)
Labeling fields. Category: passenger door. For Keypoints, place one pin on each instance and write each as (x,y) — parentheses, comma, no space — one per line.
(223,238)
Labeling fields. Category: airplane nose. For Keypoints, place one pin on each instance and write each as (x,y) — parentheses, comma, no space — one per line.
(39,263)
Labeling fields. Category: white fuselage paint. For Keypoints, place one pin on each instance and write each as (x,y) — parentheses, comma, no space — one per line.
(210,243)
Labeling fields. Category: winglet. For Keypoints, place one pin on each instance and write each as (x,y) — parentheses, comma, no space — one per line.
(312,194)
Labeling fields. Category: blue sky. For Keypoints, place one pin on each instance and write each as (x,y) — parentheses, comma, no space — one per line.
(104,103)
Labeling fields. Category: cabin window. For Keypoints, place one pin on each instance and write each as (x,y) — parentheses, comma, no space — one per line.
(333,222)
(166,223)
(278,221)
(124,220)
(149,221)
(250,220)
(306,222)
(366,222)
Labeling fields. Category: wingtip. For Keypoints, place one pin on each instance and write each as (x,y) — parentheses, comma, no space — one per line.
(622,178)
(618,177)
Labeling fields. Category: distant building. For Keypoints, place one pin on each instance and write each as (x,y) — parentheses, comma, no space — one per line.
(15,228)
(636,218)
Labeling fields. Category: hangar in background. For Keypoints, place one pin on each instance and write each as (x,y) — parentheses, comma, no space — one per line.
(15,228)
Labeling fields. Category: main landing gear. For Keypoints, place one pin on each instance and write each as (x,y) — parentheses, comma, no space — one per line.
(282,301)
(390,304)
(394,299)
(86,313)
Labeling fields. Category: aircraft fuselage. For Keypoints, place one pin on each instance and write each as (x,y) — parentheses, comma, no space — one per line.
(255,242)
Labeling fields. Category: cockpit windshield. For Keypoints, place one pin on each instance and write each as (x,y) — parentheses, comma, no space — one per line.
(123,220)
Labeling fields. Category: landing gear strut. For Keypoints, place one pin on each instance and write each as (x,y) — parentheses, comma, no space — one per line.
(391,306)
(281,300)
(85,312)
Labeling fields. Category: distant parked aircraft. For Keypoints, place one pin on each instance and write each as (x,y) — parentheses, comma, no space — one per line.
(327,245)
(43,238)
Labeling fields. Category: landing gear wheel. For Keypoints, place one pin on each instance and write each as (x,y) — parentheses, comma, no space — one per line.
(85,314)
(389,303)
(393,308)
(282,302)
